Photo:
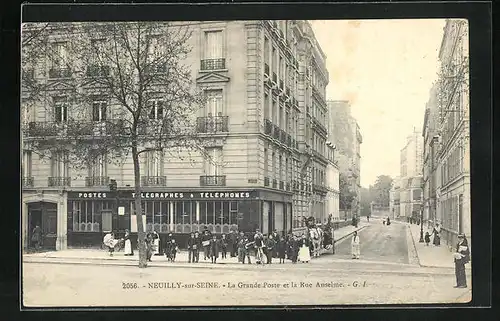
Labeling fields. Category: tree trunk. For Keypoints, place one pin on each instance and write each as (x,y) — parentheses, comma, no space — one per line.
(143,262)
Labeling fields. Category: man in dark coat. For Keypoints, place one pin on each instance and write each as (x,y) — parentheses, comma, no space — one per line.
(196,247)
(205,239)
(191,245)
(233,243)
(270,248)
(276,237)
(214,249)
(36,238)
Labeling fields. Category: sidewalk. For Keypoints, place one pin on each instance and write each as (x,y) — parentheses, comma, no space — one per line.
(102,256)
(431,256)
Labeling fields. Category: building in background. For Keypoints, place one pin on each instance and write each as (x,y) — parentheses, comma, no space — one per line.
(347,138)
(453,183)
(265,85)
(430,163)
(410,191)
(394,198)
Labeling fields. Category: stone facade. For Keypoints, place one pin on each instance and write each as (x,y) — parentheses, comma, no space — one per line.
(269,75)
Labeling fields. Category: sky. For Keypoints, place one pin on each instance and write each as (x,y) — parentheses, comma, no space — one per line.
(385,68)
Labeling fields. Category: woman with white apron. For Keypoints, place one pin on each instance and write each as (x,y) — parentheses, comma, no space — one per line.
(355,246)
(156,243)
(128,244)
(304,251)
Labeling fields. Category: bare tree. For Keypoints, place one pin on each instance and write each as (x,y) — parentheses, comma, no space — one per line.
(134,68)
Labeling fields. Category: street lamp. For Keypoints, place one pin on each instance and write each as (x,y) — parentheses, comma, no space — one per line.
(421,226)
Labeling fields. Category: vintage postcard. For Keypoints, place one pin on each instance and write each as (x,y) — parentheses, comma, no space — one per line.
(245,162)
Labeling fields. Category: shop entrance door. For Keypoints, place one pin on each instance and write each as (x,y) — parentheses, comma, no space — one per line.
(45,215)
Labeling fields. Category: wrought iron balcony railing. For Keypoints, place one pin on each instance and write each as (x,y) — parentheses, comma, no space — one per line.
(59,181)
(59,73)
(212,124)
(96,181)
(28,181)
(154,180)
(213,64)
(320,188)
(213,180)
(97,71)
(76,128)
(266,181)
(268,127)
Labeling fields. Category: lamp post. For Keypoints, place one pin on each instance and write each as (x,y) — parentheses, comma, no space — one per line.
(421,226)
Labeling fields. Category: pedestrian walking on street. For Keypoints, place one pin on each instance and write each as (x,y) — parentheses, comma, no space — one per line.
(205,239)
(239,251)
(281,249)
(191,245)
(233,243)
(276,238)
(427,238)
(270,248)
(293,248)
(388,221)
(244,250)
(462,257)
(214,249)
(437,235)
(36,238)
(196,247)
(304,250)
(156,243)
(355,246)
(149,246)
(223,246)
(129,251)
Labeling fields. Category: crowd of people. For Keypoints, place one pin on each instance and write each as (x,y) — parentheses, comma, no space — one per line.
(235,244)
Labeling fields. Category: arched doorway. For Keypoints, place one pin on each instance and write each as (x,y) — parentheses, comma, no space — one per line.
(43,214)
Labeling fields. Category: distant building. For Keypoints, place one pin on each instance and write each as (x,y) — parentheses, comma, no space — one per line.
(430,160)
(348,139)
(394,198)
(410,192)
(453,183)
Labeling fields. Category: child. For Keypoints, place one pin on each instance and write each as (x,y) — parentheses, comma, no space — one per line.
(173,250)
(427,238)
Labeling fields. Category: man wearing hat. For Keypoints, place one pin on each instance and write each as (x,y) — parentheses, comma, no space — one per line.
(462,257)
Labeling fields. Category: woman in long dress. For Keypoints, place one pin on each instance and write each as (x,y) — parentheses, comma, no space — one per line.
(355,246)
(156,243)
(437,235)
(128,244)
(304,251)
(462,257)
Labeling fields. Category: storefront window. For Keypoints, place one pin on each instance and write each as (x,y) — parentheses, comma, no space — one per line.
(218,212)
(87,215)
(185,212)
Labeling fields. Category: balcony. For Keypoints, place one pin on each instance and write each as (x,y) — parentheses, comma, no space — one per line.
(266,181)
(275,183)
(59,181)
(268,127)
(276,132)
(282,185)
(266,69)
(154,180)
(28,181)
(97,181)
(320,188)
(213,64)
(97,71)
(59,73)
(212,124)
(213,180)
(75,128)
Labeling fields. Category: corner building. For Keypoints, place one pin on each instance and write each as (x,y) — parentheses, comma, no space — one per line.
(263,79)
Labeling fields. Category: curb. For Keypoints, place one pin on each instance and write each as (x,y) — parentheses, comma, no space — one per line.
(415,247)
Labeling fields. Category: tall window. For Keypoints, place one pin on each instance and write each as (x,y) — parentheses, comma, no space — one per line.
(267,109)
(98,166)
(266,51)
(213,162)
(274,62)
(273,164)
(156,109)
(154,163)
(274,112)
(213,45)
(60,109)
(280,168)
(27,163)
(99,110)
(214,102)
(266,162)
(286,170)
(59,55)
(59,164)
